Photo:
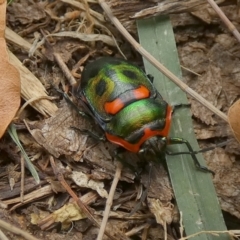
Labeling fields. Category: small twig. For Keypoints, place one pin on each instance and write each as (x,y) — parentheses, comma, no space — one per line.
(181,228)
(80,63)
(137,229)
(22,179)
(70,191)
(110,200)
(80,203)
(165,230)
(31,101)
(9,227)
(3,236)
(145,232)
(158,65)
(34,195)
(65,69)
(224,18)
(189,70)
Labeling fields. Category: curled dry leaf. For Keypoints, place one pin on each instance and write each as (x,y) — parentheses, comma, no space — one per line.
(26,12)
(162,211)
(233,119)
(226,179)
(37,216)
(83,180)
(86,37)
(9,78)
(57,136)
(68,213)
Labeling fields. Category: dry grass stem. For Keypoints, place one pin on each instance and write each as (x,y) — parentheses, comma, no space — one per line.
(158,65)
(9,227)
(224,18)
(109,201)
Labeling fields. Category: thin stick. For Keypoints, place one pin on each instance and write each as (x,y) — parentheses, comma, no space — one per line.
(110,200)
(137,229)
(145,232)
(61,179)
(22,179)
(9,227)
(3,236)
(31,101)
(64,68)
(85,208)
(224,18)
(158,65)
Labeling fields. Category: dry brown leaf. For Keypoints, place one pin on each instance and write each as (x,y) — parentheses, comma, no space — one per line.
(217,66)
(9,78)
(226,58)
(204,132)
(37,216)
(204,14)
(160,187)
(26,12)
(68,213)
(57,136)
(209,86)
(163,212)
(83,180)
(233,118)
(226,179)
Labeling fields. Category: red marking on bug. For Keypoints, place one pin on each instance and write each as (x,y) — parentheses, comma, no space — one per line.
(148,133)
(119,103)
(114,106)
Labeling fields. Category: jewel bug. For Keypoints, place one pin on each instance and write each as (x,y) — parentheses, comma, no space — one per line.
(131,112)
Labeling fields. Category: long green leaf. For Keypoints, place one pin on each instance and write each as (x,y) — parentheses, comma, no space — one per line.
(194,190)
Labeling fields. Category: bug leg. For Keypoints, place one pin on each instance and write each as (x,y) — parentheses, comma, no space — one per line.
(222,144)
(91,134)
(117,153)
(151,77)
(191,152)
(71,103)
(180,105)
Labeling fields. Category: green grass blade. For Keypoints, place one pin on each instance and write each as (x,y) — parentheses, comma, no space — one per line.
(13,133)
(194,190)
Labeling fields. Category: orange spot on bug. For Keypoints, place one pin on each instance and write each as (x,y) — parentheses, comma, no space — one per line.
(114,106)
(119,103)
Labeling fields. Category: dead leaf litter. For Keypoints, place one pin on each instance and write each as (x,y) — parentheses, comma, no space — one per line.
(78,33)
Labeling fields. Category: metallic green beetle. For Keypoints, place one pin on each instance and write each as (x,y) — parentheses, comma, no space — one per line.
(124,102)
